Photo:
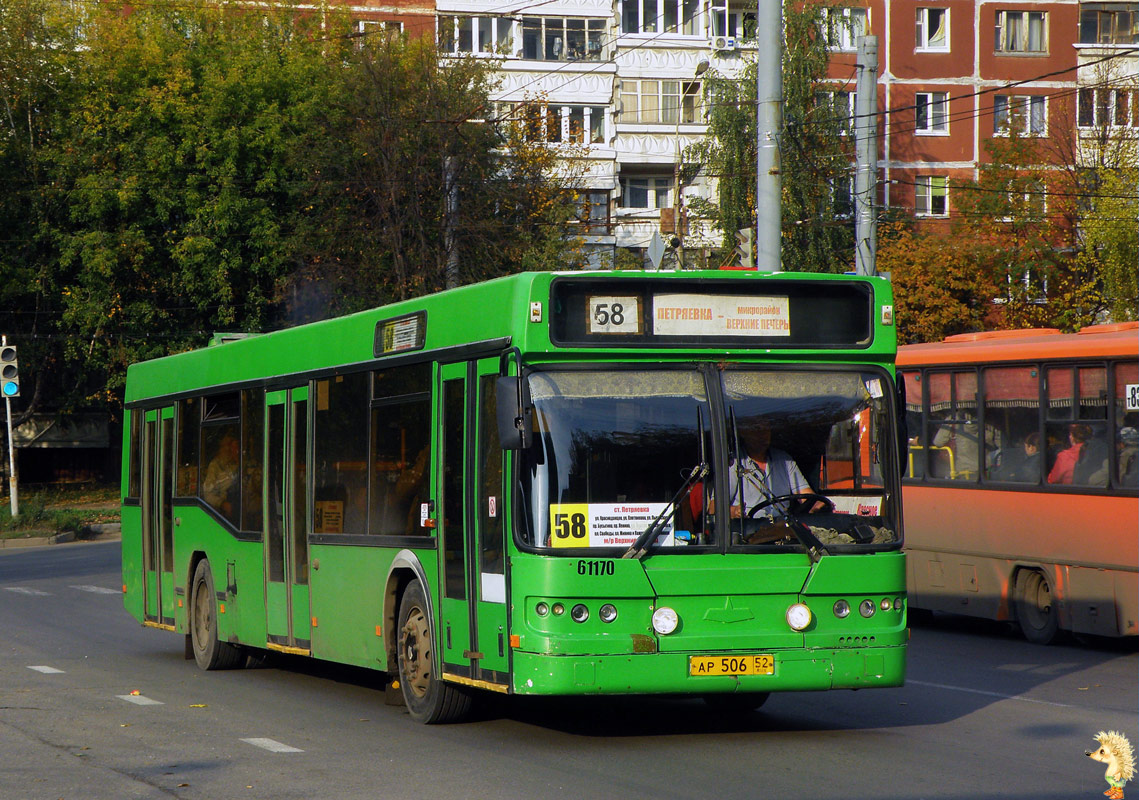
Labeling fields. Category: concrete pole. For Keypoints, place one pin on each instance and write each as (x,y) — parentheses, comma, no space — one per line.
(866,146)
(769,119)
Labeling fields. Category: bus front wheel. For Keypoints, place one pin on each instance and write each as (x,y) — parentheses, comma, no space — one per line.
(428,699)
(209,651)
(1036,607)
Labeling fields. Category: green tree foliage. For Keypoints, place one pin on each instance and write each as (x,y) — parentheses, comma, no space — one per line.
(815,153)
(1111,239)
(173,171)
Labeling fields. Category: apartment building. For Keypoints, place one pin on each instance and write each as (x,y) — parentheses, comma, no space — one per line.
(620,81)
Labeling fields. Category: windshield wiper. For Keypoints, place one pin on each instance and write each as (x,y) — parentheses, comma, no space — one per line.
(640,547)
(644,542)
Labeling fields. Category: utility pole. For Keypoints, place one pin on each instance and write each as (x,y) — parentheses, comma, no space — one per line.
(866,146)
(451,222)
(769,118)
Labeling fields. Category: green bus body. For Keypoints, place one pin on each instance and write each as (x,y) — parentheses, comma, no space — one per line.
(502,594)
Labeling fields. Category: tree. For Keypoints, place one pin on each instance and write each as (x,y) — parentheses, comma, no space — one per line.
(817,230)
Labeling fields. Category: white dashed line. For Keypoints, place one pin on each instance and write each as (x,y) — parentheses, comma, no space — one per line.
(47,670)
(1019,697)
(97,589)
(272,745)
(139,700)
(26,590)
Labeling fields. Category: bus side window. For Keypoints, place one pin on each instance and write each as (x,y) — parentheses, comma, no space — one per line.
(1126,425)
(1012,422)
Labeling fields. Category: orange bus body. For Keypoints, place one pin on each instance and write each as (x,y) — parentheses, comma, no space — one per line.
(1047,555)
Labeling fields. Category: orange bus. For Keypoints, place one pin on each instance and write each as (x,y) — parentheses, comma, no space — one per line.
(1020,491)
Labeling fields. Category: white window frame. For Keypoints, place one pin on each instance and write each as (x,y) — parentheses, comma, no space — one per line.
(674,102)
(499,30)
(593,44)
(925,195)
(923,32)
(936,122)
(844,25)
(1005,106)
(843,103)
(1110,108)
(1114,24)
(1023,42)
(656,17)
(658,189)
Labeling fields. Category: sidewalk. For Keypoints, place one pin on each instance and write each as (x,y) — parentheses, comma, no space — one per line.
(110,531)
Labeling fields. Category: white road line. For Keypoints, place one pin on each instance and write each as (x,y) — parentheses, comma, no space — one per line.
(47,670)
(26,590)
(139,700)
(272,745)
(1021,698)
(97,589)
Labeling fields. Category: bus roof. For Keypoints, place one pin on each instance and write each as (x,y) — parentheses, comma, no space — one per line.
(495,314)
(1033,344)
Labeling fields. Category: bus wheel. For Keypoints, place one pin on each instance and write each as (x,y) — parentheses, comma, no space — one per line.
(209,652)
(1035,607)
(428,699)
(736,703)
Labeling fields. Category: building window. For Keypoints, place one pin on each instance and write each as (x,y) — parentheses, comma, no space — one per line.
(471,34)
(661,16)
(1021,32)
(1109,23)
(733,23)
(1025,115)
(844,26)
(842,196)
(842,105)
(667,102)
(592,207)
(933,29)
(651,193)
(931,196)
(932,112)
(586,124)
(558,39)
(1102,108)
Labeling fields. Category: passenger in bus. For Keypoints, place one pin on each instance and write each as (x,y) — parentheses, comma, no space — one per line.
(1091,465)
(1129,456)
(1027,468)
(219,487)
(962,440)
(1065,464)
(763,472)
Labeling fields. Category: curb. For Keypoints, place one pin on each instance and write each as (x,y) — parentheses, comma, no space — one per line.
(89,533)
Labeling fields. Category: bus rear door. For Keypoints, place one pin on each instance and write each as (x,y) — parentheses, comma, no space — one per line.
(158,517)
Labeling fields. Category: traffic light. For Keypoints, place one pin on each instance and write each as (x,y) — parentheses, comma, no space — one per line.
(9,371)
(745,246)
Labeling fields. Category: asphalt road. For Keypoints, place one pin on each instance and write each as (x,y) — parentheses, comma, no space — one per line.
(983,715)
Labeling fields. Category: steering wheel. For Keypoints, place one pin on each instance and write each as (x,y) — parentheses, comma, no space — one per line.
(804,501)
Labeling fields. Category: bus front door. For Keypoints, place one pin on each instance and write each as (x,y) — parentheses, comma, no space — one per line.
(288,624)
(473,627)
(158,517)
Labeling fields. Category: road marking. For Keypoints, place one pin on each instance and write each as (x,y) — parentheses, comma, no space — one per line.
(272,745)
(139,700)
(47,670)
(26,590)
(1022,698)
(97,589)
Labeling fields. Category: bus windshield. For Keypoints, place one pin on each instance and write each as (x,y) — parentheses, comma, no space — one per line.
(614,450)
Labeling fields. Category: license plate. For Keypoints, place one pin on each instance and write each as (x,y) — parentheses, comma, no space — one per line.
(731,665)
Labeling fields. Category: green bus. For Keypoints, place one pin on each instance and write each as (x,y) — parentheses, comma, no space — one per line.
(512,487)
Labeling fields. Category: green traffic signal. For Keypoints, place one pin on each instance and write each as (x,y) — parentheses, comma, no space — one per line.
(9,372)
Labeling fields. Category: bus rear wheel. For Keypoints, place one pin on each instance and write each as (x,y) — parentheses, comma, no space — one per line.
(428,698)
(1035,607)
(209,651)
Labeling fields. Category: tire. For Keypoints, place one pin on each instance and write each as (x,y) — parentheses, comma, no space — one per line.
(209,652)
(428,698)
(1035,607)
(736,703)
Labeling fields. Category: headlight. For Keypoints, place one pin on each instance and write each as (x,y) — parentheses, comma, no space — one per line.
(841,609)
(542,609)
(579,613)
(885,604)
(559,609)
(665,620)
(607,612)
(866,608)
(798,617)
